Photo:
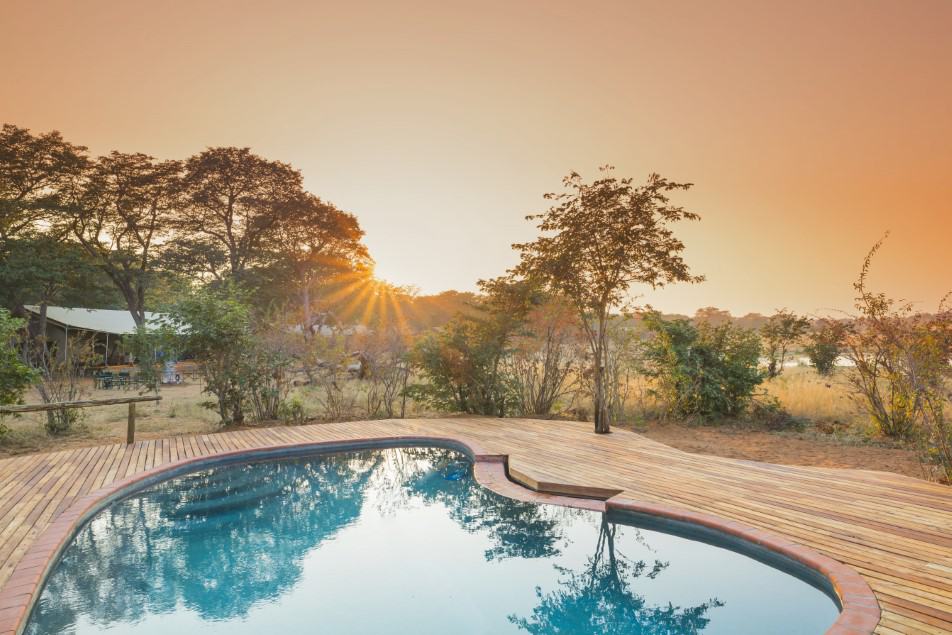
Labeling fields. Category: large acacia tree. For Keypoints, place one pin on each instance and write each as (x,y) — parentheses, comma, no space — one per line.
(36,171)
(315,242)
(121,217)
(234,202)
(597,240)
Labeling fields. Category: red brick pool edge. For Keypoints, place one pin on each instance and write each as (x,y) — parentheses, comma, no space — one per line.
(860,612)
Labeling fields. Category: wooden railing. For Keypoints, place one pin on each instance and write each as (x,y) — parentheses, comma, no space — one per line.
(68,405)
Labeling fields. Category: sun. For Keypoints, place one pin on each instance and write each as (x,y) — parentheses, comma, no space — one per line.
(359,297)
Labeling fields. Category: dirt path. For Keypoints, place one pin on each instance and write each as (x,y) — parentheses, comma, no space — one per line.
(786,448)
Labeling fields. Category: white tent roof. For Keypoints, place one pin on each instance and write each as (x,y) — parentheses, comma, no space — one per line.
(98,320)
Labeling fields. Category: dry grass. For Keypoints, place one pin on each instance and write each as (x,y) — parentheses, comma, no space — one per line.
(823,401)
(180,412)
(838,433)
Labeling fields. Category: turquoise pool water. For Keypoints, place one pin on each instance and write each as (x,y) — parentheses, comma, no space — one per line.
(398,541)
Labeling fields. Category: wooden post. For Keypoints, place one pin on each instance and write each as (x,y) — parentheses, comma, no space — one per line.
(131,428)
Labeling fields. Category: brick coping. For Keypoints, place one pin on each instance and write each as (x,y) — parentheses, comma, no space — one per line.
(859,608)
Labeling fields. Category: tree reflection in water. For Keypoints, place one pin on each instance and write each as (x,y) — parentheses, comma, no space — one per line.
(600,599)
(219,541)
(515,528)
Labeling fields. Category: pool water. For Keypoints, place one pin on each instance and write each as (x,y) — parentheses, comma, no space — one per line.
(398,540)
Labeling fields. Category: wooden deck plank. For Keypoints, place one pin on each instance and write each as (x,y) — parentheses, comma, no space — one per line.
(896,531)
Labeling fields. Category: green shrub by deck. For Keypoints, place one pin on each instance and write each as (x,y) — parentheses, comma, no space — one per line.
(707,371)
(15,376)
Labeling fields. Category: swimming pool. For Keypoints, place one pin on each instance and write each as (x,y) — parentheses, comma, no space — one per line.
(403,540)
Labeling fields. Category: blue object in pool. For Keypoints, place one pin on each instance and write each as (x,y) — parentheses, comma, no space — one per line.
(456,471)
(374,542)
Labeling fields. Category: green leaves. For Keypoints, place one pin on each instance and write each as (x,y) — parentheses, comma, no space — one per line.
(602,237)
(15,376)
(215,327)
(596,241)
(707,371)
(782,330)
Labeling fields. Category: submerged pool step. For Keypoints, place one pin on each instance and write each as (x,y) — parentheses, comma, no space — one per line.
(250,494)
(218,489)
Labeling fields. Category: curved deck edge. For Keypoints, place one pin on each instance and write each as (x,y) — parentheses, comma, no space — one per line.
(859,615)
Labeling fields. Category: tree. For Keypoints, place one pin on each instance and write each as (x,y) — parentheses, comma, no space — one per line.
(601,598)
(782,330)
(315,242)
(597,240)
(63,275)
(36,172)
(713,316)
(826,345)
(122,220)
(234,202)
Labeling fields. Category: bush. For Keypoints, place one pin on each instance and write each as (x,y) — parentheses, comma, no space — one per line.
(462,366)
(768,412)
(15,376)
(215,326)
(707,371)
(243,368)
(59,378)
(899,357)
(901,369)
(291,411)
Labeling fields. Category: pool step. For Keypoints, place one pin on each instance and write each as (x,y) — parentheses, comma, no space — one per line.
(246,497)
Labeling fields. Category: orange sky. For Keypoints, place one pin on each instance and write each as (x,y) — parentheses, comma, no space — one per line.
(808,128)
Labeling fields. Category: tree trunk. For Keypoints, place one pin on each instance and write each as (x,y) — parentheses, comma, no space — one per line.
(403,393)
(602,420)
(306,306)
(41,323)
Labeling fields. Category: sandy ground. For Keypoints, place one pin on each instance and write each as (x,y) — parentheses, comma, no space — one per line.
(787,448)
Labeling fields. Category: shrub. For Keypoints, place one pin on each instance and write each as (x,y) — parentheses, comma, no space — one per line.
(291,411)
(215,326)
(825,346)
(544,360)
(15,375)
(887,344)
(385,371)
(269,360)
(767,411)
(59,378)
(902,372)
(704,370)
(462,368)
(244,368)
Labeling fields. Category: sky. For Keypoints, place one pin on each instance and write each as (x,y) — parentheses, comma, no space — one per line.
(809,129)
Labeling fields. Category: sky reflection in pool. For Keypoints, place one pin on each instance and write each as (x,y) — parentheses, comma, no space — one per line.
(397,541)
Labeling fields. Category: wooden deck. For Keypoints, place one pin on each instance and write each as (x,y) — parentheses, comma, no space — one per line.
(894,530)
